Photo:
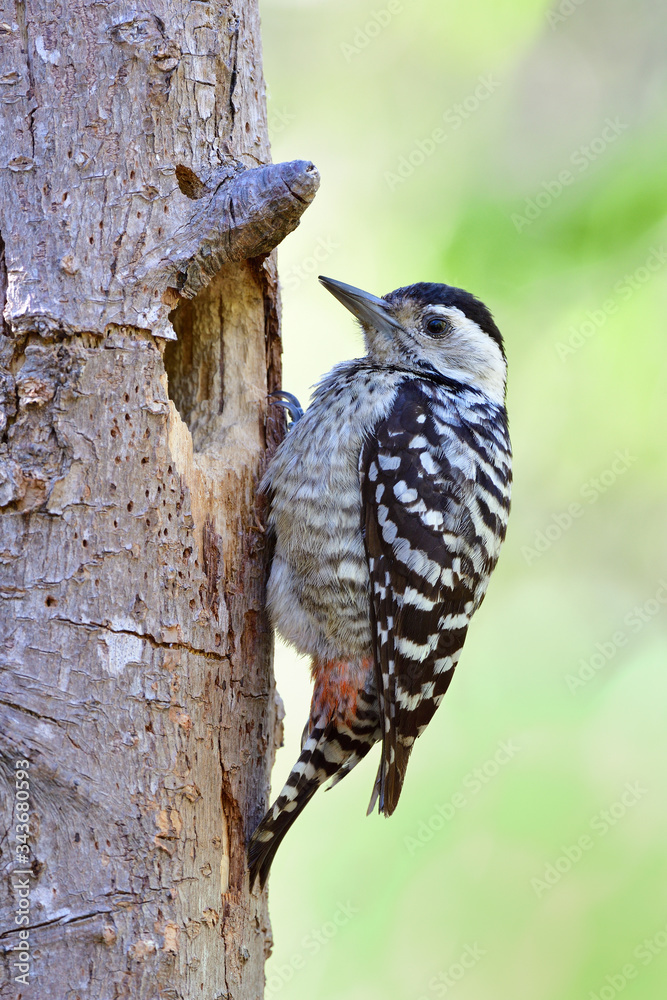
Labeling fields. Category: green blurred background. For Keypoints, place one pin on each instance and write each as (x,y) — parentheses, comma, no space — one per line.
(519,150)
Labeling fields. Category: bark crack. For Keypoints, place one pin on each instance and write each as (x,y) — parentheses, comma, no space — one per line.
(234,70)
(150,639)
(3,286)
(236,845)
(23,28)
(126,902)
(29,711)
(295,194)
(58,922)
(221,313)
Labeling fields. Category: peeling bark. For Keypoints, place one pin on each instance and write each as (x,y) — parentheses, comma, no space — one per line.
(139,338)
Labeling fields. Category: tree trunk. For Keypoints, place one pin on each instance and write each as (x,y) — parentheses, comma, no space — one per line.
(138,714)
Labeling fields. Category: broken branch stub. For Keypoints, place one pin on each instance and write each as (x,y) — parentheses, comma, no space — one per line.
(241,218)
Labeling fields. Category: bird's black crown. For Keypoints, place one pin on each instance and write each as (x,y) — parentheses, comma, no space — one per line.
(427,293)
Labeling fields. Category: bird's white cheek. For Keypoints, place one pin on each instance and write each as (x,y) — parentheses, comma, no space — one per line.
(476,360)
(465,358)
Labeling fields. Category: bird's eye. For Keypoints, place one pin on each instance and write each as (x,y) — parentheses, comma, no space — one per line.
(437,327)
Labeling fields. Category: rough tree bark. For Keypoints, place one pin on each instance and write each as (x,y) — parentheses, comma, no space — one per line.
(139,338)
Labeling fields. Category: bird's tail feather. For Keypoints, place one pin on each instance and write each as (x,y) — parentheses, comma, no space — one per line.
(390,777)
(330,747)
(325,751)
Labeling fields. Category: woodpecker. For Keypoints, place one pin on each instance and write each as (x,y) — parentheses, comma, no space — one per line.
(389,501)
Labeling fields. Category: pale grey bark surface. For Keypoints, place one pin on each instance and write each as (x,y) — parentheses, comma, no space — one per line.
(135,654)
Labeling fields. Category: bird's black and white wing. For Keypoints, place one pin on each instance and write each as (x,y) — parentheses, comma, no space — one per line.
(435,500)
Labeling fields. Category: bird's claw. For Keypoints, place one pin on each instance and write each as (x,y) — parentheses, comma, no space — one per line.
(289,402)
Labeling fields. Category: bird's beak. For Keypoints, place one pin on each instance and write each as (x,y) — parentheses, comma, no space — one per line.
(369,309)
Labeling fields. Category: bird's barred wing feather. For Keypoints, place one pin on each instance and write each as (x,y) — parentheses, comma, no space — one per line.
(431,541)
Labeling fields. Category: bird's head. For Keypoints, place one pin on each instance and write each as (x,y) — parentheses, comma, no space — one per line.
(430,327)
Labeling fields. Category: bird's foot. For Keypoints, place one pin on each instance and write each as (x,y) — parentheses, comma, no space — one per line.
(289,402)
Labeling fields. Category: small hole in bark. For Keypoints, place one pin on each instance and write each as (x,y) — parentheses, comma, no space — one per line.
(190,185)
(115,524)
(50,601)
(144,460)
(165,532)
(148,521)
(126,397)
(147,492)
(131,175)
(77,838)
(85,543)
(91,240)
(127,416)
(130,505)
